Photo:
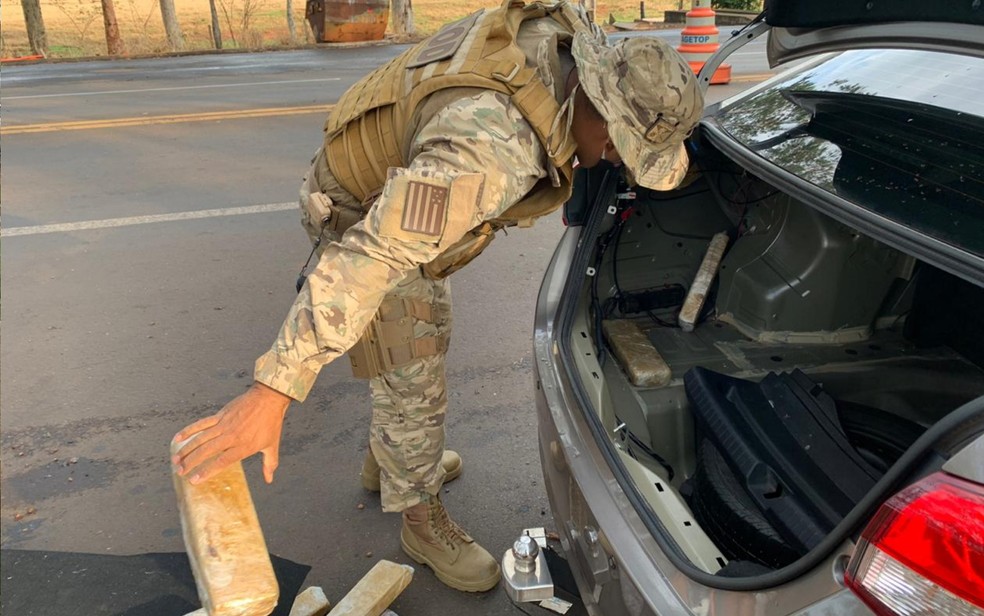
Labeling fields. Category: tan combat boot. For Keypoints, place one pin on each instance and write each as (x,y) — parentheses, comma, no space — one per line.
(370,469)
(431,538)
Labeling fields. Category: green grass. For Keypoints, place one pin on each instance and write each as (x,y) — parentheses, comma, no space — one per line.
(66,51)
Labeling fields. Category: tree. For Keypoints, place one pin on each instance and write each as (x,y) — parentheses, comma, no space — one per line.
(403,17)
(36,35)
(590,7)
(240,20)
(739,5)
(291,28)
(216,28)
(171,26)
(114,44)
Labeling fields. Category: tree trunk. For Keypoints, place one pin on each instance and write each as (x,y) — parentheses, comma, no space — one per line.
(114,44)
(216,28)
(403,17)
(35,26)
(589,8)
(290,22)
(171,26)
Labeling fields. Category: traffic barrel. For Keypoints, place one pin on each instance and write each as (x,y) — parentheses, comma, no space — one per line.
(699,40)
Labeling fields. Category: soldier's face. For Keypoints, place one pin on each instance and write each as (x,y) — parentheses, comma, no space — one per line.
(593,143)
(590,132)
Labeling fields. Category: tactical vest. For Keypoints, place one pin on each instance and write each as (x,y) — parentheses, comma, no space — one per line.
(366,132)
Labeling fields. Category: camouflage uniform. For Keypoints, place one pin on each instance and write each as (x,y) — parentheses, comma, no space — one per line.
(479,134)
(479,145)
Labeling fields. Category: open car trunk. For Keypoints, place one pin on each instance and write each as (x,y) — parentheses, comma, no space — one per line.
(819,355)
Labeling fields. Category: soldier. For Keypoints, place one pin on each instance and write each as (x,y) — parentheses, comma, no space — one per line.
(474,129)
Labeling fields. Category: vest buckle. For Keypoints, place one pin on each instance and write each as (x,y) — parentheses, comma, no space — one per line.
(506,78)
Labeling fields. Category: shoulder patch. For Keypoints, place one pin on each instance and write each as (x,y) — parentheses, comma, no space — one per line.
(425,209)
(443,44)
(432,209)
(414,207)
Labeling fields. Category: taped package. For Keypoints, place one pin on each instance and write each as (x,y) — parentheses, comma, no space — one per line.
(225,544)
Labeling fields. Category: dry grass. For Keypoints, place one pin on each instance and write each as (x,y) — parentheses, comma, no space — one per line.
(75,27)
(430,14)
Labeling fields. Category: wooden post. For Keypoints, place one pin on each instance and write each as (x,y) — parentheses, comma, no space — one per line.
(216,28)
(291,28)
(403,17)
(589,7)
(114,44)
(171,25)
(36,35)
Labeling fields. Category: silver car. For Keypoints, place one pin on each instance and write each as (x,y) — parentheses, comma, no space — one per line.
(761,393)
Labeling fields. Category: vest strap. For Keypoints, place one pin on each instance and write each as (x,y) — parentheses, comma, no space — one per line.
(388,342)
(539,107)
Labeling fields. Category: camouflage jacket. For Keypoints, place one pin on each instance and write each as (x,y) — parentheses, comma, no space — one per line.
(482,135)
(479,149)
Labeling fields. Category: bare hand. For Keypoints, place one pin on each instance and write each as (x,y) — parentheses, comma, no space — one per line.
(248,424)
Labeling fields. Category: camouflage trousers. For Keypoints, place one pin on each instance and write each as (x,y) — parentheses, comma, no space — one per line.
(409,405)
(406,432)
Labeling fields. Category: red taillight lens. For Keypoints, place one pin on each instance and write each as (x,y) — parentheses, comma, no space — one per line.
(923,553)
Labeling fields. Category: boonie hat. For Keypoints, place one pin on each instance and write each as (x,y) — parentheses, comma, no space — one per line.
(649,96)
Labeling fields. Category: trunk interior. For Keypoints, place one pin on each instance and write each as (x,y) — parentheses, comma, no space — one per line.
(868,347)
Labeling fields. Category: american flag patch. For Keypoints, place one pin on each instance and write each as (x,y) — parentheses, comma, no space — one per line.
(425,209)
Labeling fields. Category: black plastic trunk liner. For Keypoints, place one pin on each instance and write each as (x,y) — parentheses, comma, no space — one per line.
(784,444)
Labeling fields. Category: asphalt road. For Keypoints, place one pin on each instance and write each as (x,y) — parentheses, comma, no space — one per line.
(117,333)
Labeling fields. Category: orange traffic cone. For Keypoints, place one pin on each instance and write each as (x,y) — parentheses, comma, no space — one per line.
(699,40)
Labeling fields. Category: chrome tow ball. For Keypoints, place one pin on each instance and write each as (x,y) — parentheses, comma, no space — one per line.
(524,568)
(525,551)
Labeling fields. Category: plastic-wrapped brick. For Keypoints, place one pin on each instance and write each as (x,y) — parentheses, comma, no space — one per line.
(225,544)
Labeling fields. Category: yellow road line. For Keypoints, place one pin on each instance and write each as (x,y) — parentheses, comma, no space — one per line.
(162,119)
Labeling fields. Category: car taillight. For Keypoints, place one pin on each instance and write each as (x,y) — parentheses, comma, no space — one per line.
(923,552)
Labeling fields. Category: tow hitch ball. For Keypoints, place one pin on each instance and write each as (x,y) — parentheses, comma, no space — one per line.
(524,568)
